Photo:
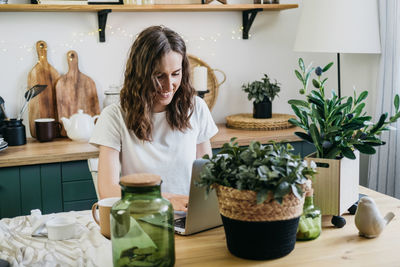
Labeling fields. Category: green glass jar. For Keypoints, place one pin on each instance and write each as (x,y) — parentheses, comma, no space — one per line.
(142,232)
(310,220)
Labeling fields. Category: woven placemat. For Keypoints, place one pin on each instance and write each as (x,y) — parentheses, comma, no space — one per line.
(245,121)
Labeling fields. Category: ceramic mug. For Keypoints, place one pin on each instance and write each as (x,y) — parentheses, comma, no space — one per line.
(103,220)
(46,129)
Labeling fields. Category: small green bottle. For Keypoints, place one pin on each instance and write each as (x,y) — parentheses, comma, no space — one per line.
(310,220)
(142,231)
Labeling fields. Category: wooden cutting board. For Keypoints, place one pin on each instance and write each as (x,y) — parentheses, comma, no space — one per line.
(74,91)
(44,104)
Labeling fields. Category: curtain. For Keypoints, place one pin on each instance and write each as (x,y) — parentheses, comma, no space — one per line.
(384,173)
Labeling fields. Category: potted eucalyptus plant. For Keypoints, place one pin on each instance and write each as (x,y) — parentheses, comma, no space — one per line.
(340,130)
(260,194)
(263,92)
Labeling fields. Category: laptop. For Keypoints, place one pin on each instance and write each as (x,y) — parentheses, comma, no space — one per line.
(202,213)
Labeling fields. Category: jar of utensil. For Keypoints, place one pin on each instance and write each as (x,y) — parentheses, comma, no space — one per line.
(14,132)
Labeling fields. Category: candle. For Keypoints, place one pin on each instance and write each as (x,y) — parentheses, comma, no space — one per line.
(200,78)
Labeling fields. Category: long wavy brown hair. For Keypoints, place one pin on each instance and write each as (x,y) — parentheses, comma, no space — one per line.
(138,94)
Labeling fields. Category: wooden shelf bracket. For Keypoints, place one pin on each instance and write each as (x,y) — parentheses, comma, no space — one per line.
(248,18)
(102,18)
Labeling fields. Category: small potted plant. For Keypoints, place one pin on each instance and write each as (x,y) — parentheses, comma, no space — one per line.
(339,130)
(260,194)
(263,92)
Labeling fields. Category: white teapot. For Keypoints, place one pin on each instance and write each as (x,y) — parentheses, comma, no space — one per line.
(79,126)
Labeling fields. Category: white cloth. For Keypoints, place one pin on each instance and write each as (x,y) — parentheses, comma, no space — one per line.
(170,154)
(384,170)
(88,248)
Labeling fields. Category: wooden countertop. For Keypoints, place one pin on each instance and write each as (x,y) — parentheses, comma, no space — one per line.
(334,247)
(64,149)
(34,152)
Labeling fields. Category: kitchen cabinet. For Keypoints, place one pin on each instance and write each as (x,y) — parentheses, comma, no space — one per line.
(53,187)
(249,11)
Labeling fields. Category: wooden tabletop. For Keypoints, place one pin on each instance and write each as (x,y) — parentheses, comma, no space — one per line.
(334,247)
(64,149)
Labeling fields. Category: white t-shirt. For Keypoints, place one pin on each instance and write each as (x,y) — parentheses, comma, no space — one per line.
(170,154)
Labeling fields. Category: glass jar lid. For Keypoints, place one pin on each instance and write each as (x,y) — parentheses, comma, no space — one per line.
(140,179)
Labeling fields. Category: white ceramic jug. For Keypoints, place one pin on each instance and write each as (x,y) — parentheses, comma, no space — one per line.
(79,126)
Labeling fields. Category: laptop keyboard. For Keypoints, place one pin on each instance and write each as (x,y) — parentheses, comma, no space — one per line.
(180,222)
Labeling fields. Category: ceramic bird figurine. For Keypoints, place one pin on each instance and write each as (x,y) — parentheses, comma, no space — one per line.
(369,220)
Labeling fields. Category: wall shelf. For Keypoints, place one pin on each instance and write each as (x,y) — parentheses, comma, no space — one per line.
(249,11)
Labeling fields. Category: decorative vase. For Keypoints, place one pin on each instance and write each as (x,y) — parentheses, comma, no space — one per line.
(258,231)
(262,110)
(336,183)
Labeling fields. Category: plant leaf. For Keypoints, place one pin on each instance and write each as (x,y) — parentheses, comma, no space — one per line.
(316,101)
(304,136)
(297,191)
(332,153)
(396,102)
(366,149)
(315,83)
(282,189)
(327,67)
(361,97)
(348,153)
(298,75)
(379,124)
(262,196)
(315,136)
(301,64)
(296,123)
(359,109)
(298,103)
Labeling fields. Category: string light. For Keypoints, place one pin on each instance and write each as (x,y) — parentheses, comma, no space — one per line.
(82,37)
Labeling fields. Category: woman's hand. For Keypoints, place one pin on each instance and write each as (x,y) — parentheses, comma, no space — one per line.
(179,202)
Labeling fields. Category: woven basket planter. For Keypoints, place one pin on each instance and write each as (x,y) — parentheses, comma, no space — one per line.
(258,232)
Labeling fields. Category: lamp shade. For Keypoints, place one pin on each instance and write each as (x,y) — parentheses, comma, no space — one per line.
(338,26)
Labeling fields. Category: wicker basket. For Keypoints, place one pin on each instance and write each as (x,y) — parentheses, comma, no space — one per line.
(212,82)
(258,231)
(245,121)
(242,205)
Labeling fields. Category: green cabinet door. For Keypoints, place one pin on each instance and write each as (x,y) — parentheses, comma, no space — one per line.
(51,188)
(31,193)
(10,194)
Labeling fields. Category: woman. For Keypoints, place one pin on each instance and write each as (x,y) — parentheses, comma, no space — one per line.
(160,127)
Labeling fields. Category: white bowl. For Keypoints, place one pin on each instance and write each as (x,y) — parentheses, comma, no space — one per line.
(61,228)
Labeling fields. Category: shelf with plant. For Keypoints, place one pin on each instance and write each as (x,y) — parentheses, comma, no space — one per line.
(336,126)
(262,92)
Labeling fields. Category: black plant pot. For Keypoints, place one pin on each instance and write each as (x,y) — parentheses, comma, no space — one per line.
(262,110)
(260,240)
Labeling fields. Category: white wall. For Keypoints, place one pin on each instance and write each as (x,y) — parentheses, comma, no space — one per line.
(212,36)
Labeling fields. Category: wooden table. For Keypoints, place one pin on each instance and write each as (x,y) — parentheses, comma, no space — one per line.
(335,247)
(64,149)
